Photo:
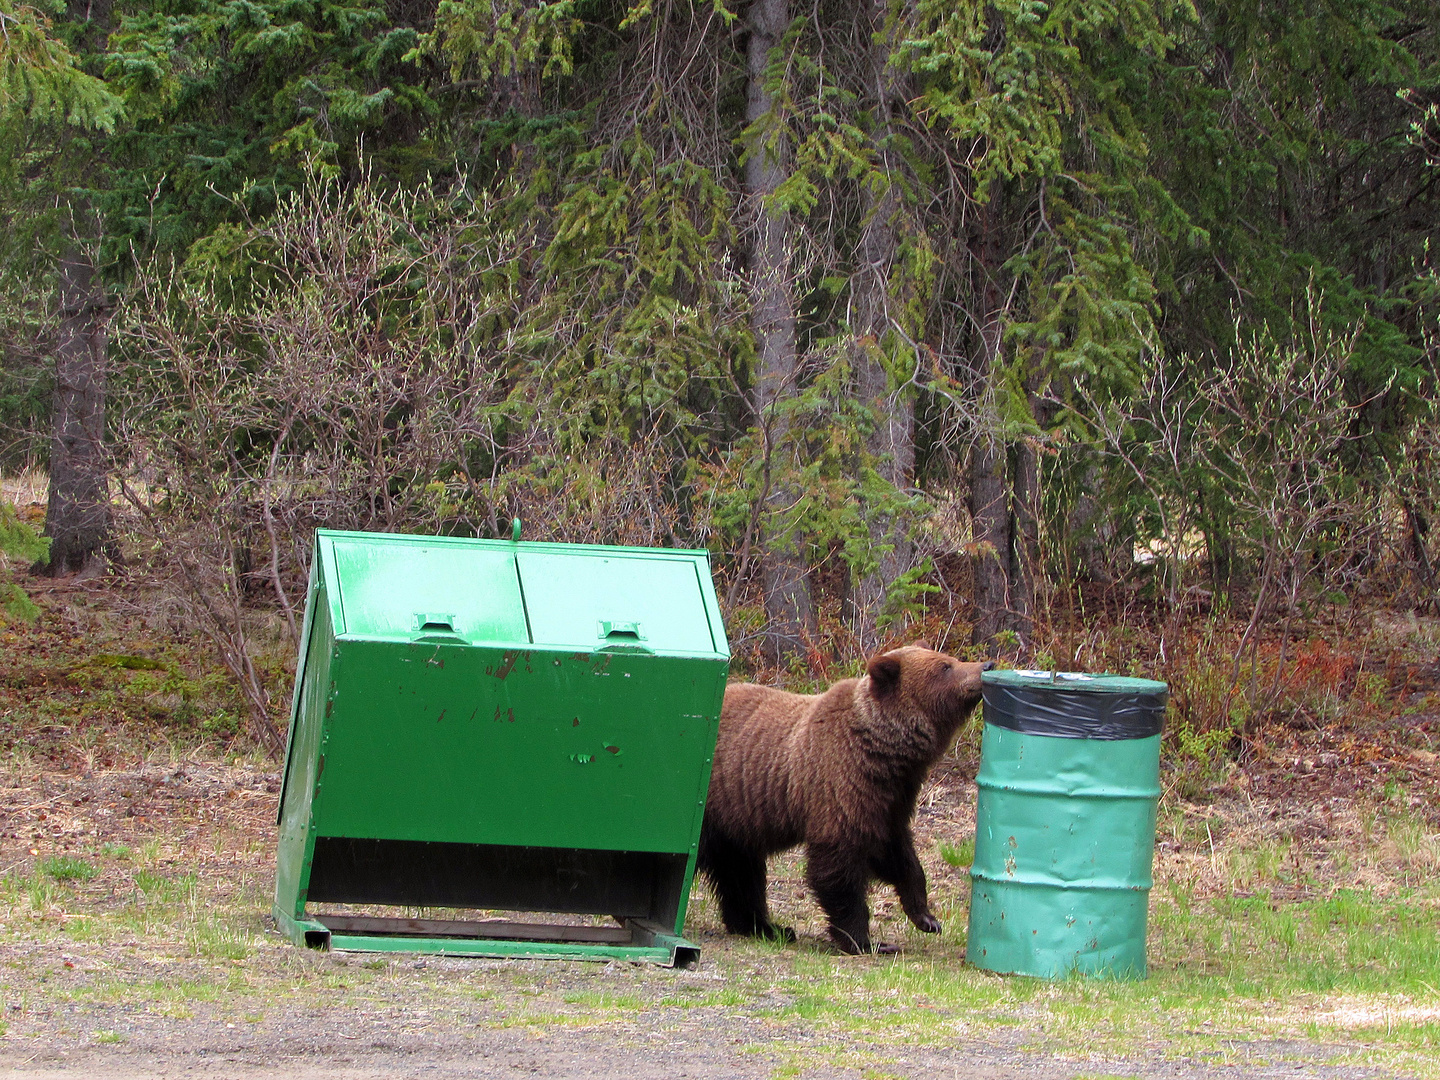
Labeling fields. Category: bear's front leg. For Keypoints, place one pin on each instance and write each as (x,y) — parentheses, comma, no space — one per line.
(899,866)
(839,879)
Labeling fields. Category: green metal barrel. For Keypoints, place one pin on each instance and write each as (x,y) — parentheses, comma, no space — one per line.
(1065,824)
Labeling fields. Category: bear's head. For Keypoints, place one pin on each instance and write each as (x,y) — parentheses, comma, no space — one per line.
(917,685)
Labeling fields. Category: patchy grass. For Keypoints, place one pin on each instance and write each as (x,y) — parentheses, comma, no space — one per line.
(1224,972)
(959,855)
(1296,914)
(67,868)
(1347,973)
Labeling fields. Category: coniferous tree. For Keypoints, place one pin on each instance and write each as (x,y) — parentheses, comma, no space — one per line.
(47,100)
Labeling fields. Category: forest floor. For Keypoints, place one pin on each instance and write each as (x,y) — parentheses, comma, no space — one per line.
(1295,920)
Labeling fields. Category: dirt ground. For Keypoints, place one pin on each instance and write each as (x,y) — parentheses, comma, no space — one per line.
(164,963)
(690,1051)
(72,1008)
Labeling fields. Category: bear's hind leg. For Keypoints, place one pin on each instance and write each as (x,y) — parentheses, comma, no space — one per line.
(738,878)
(899,866)
(840,881)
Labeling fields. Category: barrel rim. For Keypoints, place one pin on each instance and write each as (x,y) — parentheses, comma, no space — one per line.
(1079,682)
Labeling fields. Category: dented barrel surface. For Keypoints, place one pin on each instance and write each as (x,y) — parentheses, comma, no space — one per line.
(1068,786)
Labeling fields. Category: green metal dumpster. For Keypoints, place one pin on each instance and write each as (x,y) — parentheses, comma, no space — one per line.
(1068,786)
(498,726)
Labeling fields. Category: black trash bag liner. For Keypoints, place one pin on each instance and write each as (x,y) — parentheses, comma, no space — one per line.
(1067,714)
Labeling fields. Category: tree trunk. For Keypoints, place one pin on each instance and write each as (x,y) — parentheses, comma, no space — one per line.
(78,519)
(891,444)
(1219,548)
(1004,515)
(1003,589)
(784,574)
(1100,545)
(1417,529)
(1025,545)
(993,534)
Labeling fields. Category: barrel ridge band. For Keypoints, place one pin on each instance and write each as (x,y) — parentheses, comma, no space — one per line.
(1043,711)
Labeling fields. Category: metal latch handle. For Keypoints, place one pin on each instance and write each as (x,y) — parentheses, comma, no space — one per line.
(436,626)
(621,635)
(620,630)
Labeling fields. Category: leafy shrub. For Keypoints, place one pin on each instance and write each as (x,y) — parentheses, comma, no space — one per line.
(18,541)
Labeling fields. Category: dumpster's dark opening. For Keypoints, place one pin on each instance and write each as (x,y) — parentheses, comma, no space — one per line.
(637,884)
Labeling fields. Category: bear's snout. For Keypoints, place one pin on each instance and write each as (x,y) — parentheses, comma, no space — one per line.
(965,685)
(988,665)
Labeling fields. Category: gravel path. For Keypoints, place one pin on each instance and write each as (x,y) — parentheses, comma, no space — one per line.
(442,1018)
(699,1047)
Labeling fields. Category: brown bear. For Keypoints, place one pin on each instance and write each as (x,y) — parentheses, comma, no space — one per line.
(838,772)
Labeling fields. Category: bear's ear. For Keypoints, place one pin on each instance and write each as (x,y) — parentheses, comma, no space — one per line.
(924,643)
(884,675)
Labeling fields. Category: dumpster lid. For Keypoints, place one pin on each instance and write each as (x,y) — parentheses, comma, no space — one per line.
(402,587)
(613,599)
(397,587)
(1074,705)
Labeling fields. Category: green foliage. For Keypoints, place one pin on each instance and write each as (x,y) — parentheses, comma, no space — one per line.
(1018,213)
(19,542)
(1271,128)
(40,80)
(16,603)
(231,105)
(503,38)
(50,104)
(1045,94)
(640,346)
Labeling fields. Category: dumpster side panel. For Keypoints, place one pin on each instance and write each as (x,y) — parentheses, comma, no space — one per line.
(525,747)
(305,761)
(312,591)
(717,702)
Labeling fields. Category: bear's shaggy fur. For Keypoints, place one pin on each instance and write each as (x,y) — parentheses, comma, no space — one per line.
(838,772)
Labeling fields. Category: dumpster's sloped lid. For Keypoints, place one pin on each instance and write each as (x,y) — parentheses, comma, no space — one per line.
(596,598)
(396,586)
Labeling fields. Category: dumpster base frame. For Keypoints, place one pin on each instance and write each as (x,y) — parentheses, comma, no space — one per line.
(648,942)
